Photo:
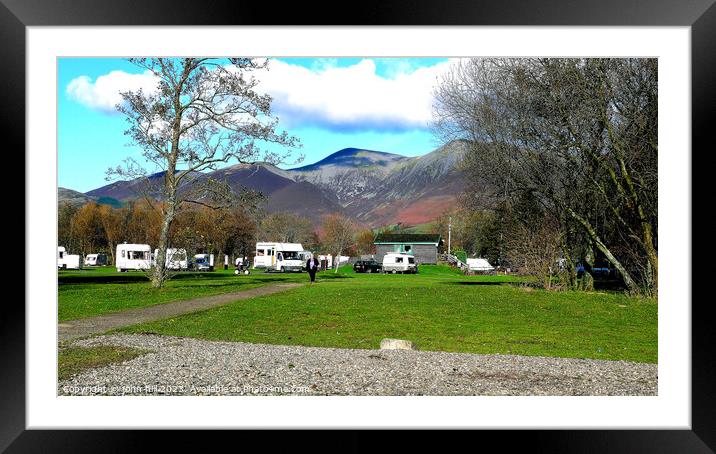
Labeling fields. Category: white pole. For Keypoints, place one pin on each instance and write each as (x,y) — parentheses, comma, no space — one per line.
(449,232)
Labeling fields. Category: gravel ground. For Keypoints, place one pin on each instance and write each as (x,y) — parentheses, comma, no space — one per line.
(184,366)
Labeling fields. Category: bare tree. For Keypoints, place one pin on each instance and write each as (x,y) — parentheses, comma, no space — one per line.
(203,113)
(577,135)
(338,232)
(286,227)
(536,249)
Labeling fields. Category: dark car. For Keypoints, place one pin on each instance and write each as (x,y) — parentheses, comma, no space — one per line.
(367,266)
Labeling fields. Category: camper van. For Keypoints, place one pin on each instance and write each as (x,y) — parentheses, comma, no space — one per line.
(283,257)
(479,265)
(175,259)
(399,263)
(95,259)
(304,256)
(67,261)
(133,257)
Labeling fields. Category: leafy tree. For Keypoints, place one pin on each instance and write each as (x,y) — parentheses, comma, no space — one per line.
(87,226)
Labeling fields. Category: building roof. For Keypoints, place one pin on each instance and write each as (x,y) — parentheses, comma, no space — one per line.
(413,238)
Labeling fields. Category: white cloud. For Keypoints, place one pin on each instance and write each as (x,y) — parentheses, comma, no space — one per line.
(338,98)
(354,97)
(104,93)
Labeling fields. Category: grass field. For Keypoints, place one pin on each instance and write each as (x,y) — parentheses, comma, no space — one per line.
(437,309)
(74,360)
(96,291)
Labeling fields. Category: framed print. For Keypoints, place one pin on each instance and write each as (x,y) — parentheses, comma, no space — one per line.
(434,217)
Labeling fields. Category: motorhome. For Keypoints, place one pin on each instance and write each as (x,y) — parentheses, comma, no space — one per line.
(326,261)
(283,257)
(175,259)
(304,256)
(95,259)
(133,257)
(67,261)
(399,263)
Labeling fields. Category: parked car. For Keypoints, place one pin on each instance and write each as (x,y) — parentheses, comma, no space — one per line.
(367,266)
(202,262)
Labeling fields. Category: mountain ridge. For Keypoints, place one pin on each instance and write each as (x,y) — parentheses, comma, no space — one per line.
(374,187)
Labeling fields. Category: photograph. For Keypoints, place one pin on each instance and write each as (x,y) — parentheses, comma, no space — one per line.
(357,225)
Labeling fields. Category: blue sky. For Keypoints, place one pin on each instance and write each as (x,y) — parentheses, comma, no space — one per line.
(329,104)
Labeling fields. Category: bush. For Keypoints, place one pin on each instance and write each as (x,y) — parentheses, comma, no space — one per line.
(461,255)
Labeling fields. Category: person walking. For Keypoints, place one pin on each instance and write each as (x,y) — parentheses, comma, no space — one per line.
(312,267)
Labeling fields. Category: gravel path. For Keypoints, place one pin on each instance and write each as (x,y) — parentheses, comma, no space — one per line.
(184,366)
(102,323)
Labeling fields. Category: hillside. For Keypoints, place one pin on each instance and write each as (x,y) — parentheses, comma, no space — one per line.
(374,187)
(72,197)
(382,188)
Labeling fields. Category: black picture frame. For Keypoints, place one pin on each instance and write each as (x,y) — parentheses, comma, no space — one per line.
(700,15)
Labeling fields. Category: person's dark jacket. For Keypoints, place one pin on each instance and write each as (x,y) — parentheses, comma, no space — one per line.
(316,265)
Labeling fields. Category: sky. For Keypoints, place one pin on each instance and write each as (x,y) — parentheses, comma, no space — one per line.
(329,104)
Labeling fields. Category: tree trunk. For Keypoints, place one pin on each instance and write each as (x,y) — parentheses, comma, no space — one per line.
(628,280)
(159,276)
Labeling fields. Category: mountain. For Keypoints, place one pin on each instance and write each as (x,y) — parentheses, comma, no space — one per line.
(374,187)
(72,197)
(282,192)
(130,189)
(383,188)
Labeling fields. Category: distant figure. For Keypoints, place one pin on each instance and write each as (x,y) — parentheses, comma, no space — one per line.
(312,267)
(237,262)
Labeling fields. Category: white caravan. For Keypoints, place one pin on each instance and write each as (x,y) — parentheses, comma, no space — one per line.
(399,263)
(175,259)
(281,257)
(479,265)
(133,257)
(328,258)
(95,259)
(67,261)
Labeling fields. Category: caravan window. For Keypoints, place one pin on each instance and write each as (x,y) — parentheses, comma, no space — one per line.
(260,252)
(137,255)
(291,255)
(399,260)
(407,248)
(411,260)
(61,254)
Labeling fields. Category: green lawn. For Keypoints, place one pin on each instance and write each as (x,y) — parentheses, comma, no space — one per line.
(73,360)
(96,291)
(437,309)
